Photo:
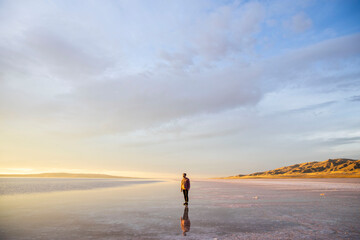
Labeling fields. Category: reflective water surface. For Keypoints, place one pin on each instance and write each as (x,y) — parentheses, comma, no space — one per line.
(218,209)
(36,185)
(185,221)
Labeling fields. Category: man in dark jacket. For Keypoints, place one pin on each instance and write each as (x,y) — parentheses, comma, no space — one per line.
(185,187)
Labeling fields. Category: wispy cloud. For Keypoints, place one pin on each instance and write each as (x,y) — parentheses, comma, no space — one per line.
(355,98)
(299,23)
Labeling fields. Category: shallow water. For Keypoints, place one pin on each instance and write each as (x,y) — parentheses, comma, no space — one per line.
(36,185)
(218,209)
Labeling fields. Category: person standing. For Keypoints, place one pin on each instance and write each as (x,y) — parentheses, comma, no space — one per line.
(185,187)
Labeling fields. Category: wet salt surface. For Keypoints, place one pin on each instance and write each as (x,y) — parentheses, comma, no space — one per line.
(219,209)
(35,185)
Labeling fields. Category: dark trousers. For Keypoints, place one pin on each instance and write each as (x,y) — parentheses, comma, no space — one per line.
(186,195)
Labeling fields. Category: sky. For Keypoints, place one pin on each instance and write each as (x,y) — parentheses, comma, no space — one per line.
(158,88)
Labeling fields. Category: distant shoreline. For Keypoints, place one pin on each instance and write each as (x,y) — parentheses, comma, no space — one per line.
(63,175)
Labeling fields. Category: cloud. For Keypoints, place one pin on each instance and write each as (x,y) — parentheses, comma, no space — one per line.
(355,98)
(342,141)
(299,23)
(84,84)
(214,35)
(140,102)
(315,65)
(161,98)
(228,29)
(75,75)
(312,107)
(126,103)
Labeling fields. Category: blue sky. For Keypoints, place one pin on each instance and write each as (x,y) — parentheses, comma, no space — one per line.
(156,88)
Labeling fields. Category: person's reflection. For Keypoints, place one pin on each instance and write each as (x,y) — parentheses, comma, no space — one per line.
(185,221)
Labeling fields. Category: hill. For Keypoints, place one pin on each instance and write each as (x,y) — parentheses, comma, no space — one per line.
(62,175)
(331,168)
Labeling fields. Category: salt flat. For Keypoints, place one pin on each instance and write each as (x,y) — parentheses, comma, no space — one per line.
(218,209)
